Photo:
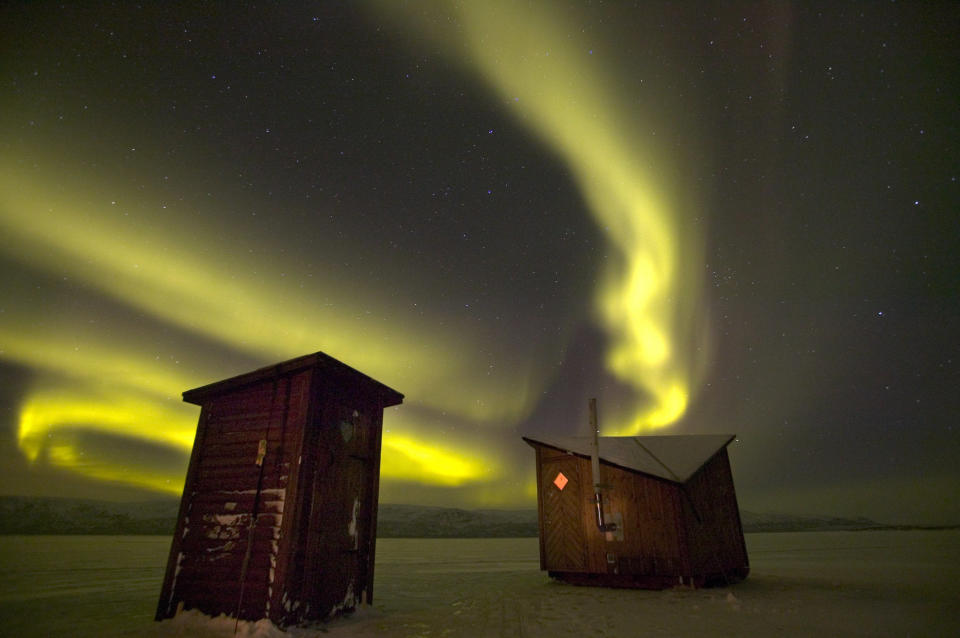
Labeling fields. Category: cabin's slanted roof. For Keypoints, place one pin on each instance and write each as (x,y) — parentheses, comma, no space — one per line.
(675,458)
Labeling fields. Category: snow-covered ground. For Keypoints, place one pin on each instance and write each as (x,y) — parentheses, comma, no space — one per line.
(884,583)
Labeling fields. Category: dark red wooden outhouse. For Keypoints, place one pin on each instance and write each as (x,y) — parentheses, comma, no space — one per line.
(279,511)
(667,513)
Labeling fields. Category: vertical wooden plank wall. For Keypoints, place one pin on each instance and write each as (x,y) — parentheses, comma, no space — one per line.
(649,510)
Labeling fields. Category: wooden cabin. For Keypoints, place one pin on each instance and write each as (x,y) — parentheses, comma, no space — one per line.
(668,511)
(279,510)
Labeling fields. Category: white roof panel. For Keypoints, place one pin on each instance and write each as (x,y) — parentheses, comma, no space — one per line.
(675,457)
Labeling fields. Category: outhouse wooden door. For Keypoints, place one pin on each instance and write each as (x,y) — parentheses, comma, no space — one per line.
(339,573)
(563,504)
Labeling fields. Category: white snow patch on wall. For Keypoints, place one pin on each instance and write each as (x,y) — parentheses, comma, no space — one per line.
(289,605)
(352,529)
(224,519)
(173,581)
(276,491)
(274,507)
(349,602)
(226,547)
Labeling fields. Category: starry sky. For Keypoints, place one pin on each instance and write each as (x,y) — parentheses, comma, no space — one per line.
(714,218)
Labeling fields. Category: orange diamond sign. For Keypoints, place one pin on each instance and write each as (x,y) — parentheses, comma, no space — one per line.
(561,481)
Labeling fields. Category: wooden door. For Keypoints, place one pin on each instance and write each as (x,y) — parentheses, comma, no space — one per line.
(563,503)
(338,574)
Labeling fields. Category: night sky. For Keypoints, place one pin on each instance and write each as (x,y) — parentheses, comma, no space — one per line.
(732,218)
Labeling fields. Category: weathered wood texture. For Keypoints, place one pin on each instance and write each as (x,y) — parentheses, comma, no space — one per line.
(290,538)
(670,533)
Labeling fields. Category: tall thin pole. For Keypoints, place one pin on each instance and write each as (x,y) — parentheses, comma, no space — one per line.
(594,445)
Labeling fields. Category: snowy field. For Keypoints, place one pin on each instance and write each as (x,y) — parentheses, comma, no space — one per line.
(886,583)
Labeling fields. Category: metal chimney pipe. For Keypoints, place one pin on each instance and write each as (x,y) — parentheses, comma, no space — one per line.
(595,469)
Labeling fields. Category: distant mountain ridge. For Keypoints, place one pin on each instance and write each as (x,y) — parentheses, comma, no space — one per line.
(416,521)
(25,515)
(767,522)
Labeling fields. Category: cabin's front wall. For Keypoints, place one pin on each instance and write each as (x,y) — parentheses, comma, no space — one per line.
(216,557)
(648,551)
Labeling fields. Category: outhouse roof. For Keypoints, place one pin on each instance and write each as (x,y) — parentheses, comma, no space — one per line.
(318,360)
(672,457)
